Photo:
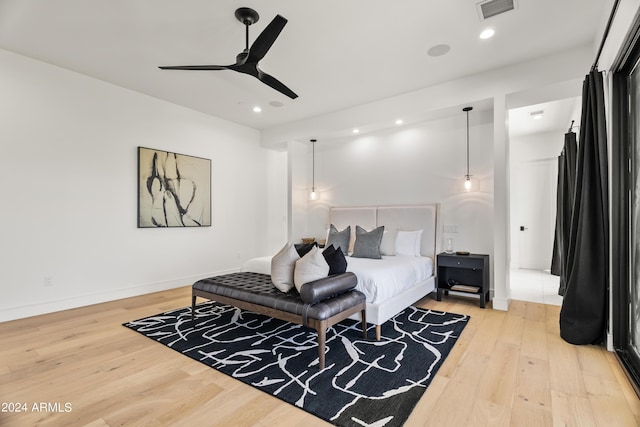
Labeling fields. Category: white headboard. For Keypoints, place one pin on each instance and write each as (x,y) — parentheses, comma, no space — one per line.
(401,217)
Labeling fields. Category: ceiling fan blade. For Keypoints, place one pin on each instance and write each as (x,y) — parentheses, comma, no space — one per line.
(196,67)
(265,40)
(276,84)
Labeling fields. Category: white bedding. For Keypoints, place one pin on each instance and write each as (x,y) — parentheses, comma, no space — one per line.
(258,265)
(382,279)
(378,279)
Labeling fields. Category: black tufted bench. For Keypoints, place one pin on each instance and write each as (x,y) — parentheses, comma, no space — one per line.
(319,305)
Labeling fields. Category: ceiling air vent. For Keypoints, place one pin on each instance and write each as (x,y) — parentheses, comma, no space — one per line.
(490,8)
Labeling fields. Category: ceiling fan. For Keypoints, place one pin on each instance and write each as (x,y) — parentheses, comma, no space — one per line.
(247,60)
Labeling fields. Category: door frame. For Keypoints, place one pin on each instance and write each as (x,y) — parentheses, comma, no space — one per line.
(621,174)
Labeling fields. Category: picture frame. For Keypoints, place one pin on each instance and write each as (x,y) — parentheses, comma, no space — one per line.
(174,190)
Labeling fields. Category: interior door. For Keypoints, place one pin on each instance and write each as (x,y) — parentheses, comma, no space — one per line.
(537,196)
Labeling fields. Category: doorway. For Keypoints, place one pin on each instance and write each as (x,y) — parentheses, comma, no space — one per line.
(534,146)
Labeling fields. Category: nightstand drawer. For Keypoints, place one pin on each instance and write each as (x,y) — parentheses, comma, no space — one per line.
(460,262)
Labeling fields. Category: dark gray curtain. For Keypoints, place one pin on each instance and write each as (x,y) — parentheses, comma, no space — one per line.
(564,207)
(584,312)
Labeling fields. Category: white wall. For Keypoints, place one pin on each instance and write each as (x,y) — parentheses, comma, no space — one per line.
(69,199)
(418,163)
(277,201)
(297,190)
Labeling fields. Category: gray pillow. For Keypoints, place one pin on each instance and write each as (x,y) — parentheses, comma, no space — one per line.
(339,239)
(368,243)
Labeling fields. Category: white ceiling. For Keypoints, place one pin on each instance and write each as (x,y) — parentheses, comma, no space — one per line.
(557,115)
(334,54)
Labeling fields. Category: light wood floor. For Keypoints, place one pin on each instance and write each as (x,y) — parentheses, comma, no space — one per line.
(507,369)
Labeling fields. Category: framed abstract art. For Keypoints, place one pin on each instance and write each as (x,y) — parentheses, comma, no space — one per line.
(174,190)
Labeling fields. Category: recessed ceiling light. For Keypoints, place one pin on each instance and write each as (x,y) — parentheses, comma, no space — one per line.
(399,122)
(486,34)
(257,109)
(439,50)
(276,104)
(356,131)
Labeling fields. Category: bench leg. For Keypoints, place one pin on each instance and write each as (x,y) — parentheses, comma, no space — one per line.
(322,338)
(363,316)
(378,334)
(193,310)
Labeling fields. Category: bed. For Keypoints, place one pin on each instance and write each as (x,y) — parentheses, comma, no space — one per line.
(395,282)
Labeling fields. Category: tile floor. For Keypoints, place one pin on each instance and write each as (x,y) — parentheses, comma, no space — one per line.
(535,286)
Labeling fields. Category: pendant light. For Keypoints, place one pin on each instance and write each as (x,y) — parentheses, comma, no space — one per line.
(467,177)
(313,195)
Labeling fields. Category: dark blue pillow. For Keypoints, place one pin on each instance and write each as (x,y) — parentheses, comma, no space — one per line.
(304,248)
(336,260)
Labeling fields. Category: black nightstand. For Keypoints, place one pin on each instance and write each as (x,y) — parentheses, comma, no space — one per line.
(466,274)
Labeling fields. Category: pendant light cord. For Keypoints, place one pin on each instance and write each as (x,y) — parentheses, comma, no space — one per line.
(466,110)
(313,165)
(467,144)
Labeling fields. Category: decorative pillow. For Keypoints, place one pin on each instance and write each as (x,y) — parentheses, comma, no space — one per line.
(339,239)
(409,243)
(310,267)
(388,244)
(336,260)
(304,248)
(368,243)
(327,287)
(282,266)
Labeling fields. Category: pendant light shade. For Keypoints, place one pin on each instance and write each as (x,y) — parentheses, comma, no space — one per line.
(313,195)
(467,177)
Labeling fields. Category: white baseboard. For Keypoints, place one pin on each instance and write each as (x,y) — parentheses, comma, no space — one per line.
(610,342)
(66,303)
(500,304)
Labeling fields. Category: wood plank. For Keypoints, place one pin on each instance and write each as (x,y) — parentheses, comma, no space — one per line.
(486,413)
(498,381)
(534,339)
(486,336)
(593,362)
(607,402)
(627,389)
(571,410)
(428,402)
(532,383)
(455,406)
(512,330)
(564,367)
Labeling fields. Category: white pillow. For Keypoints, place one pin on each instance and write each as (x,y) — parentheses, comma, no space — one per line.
(409,243)
(310,267)
(282,266)
(388,244)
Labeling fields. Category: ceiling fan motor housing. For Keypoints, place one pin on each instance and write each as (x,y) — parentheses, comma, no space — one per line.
(247,16)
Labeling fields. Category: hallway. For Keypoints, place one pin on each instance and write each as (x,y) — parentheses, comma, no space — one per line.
(535,286)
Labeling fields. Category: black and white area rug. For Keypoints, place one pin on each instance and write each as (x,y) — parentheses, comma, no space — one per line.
(365,382)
